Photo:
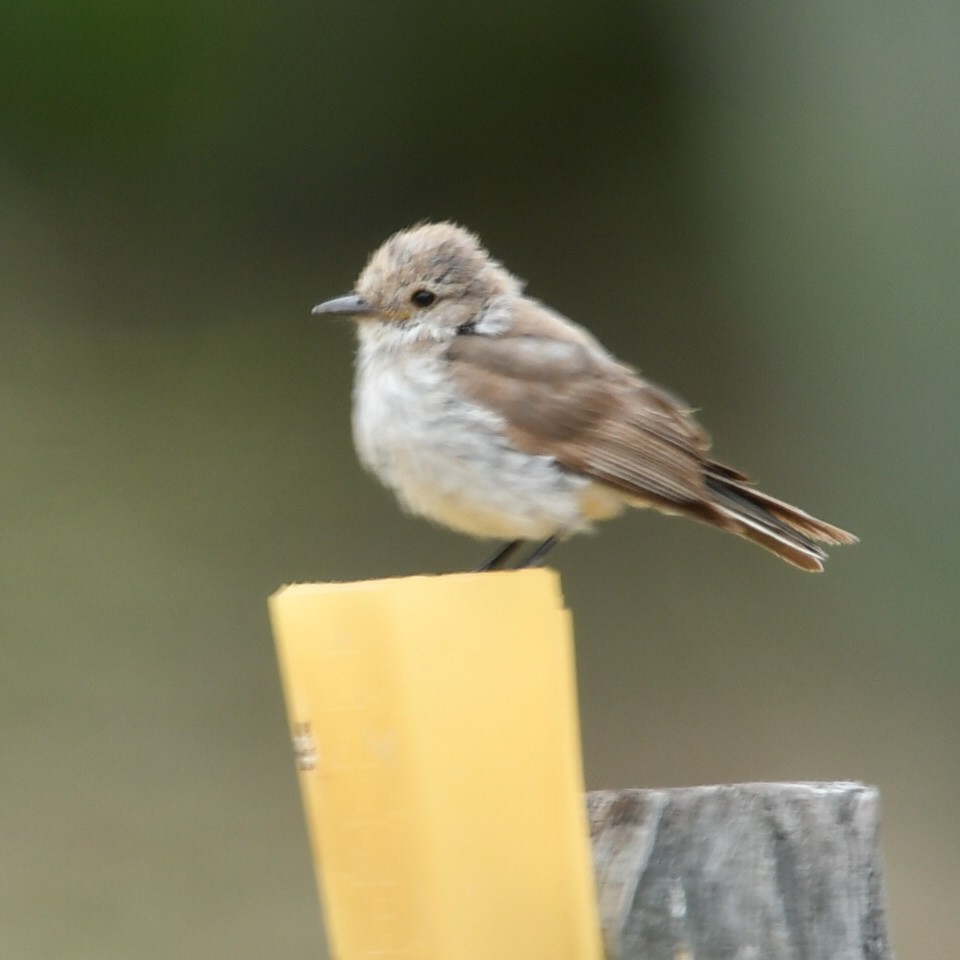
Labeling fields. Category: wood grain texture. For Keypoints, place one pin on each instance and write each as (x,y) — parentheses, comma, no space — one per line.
(760,871)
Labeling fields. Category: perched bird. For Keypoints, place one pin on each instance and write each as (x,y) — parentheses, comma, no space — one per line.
(490,413)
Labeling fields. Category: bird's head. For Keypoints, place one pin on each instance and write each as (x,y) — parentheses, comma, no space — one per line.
(433,280)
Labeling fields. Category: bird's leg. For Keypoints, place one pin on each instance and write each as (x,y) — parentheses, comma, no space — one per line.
(537,557)
(500,557)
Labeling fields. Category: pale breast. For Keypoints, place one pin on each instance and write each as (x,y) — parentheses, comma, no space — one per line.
(450,460)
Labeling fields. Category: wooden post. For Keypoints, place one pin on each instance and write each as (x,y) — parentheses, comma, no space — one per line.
(772,871)
(434,723)
(435,726)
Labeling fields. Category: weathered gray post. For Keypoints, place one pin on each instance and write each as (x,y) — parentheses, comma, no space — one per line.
(758,871)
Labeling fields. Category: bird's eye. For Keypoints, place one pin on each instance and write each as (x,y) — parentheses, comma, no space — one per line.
(422,298)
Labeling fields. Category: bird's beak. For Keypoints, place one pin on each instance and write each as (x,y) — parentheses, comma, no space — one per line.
(349,306)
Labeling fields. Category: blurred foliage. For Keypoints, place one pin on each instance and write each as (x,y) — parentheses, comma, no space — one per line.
(757,204)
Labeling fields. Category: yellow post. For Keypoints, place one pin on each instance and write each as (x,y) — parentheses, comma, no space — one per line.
(435,727)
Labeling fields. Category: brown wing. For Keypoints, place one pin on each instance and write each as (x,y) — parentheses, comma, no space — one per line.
(562,395)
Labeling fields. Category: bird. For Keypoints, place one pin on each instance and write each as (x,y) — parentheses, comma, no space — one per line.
(489,413)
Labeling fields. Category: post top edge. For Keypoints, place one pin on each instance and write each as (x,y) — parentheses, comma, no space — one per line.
(546,576)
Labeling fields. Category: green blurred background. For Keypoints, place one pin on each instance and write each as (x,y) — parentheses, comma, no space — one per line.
(757,203)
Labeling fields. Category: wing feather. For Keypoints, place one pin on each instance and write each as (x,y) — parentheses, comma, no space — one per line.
(561,394)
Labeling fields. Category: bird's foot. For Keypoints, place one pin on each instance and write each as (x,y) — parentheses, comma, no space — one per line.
(502,555)
(536,559)
(499,560)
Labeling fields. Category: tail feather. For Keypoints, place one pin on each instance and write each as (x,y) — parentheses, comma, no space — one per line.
(777,526)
